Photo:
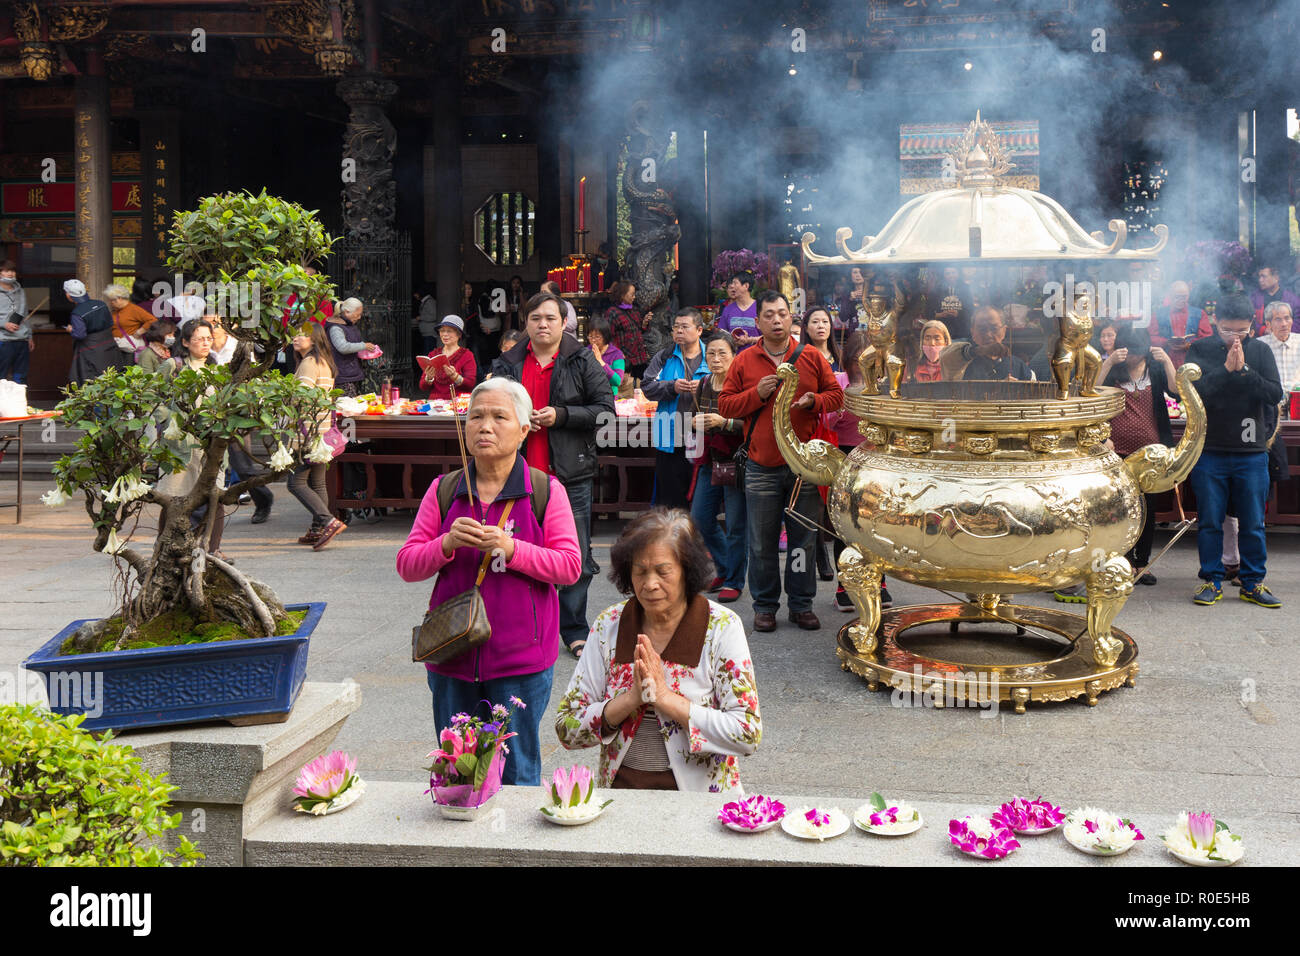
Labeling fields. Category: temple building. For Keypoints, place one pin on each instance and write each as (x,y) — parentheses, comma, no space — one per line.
(471,141)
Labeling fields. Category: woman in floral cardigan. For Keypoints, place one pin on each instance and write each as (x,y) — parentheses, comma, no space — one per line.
(666,686)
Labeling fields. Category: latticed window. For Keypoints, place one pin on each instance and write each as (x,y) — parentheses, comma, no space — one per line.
(504,228)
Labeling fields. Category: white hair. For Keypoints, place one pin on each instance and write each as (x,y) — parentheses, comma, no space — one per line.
(1273,308)
(117,292)
(350,305)
(517,394)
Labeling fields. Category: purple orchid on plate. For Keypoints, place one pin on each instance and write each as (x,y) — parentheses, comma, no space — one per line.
(817,817)
(1032,816)
(751,813)
(980,837)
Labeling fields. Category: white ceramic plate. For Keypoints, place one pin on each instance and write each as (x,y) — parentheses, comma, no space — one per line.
(904,829)
(351,796)
(1093,851)
(1198,861)
(980,856)
(829,832)
(758,829)
(464,813)
(597,810)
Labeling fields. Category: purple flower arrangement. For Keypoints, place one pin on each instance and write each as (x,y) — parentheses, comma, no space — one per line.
(977,836)
(1023,816)
(729,262)
(752,812)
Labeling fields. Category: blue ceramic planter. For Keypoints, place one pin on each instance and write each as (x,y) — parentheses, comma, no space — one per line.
(157,686)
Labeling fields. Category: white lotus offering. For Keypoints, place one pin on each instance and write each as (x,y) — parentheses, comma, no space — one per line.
(814,823)
(1096,831)
(1200,838)
(570,791)
(887,817)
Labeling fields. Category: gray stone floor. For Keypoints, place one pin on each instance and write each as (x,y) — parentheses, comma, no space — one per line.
(1212,723)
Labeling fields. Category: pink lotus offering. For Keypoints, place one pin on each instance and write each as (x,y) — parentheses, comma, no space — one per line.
(976,836)
(1029,816)
(1200,839)
(328,783)
(570,792)
(751,814)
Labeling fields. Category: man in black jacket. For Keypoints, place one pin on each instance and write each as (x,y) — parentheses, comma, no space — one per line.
(570,394)
(1239,380)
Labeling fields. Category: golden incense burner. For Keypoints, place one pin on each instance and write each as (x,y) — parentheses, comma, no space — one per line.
(989,488)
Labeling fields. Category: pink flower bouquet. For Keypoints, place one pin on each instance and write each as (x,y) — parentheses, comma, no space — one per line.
(977,836)
(1029,816)
(466,770)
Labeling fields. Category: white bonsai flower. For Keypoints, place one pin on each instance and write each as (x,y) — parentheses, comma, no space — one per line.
(320,453)
(281,460)
(114,494)
(173,432)
(114,545)
(55,497)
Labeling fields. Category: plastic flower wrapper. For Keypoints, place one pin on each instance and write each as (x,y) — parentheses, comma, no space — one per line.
(324,780)
(1200,836)
(570,792)
(980,837)
(1099,830)
(281,460)
(752,812)
(1022,814)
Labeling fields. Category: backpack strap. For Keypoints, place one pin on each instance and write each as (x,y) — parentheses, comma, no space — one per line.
(541,495)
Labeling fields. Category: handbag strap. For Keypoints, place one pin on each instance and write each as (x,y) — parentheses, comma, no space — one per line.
(482,568)
(794,357)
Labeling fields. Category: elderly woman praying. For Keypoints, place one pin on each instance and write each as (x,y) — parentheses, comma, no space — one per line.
(520,518)
(668,692)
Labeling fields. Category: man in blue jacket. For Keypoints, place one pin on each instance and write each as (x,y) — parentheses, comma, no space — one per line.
(673,379)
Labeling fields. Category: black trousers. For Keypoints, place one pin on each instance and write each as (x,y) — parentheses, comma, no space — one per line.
(245,467)
(1140,556)
(672,479)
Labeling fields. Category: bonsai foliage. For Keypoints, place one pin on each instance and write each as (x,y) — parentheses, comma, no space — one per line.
(142,427)
(67,799)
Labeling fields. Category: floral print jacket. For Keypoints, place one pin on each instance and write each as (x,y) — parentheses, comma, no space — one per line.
(718,682)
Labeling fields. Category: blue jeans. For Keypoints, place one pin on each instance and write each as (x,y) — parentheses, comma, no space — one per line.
(730,550)
(766,492)
(454,696)
(573,599)
(1241,480)
(14,359)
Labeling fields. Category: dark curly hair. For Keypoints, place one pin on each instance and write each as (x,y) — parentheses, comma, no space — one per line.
(674,527)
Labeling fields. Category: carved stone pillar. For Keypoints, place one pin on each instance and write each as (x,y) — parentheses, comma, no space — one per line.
(369,190)
(91,168)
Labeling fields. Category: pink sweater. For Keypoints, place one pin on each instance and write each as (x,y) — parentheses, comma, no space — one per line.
(556,561)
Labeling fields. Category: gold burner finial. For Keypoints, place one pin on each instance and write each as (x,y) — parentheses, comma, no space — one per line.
(978,156)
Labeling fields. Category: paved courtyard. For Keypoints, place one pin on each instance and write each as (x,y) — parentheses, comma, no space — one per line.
(1211,724)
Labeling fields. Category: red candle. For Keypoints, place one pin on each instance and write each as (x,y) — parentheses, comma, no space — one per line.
(586,277)
(600,281)
(582,204)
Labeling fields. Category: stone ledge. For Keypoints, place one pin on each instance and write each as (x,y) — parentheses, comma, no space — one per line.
(395,824)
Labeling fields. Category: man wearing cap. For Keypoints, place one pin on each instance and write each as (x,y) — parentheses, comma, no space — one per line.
(92,330)
(16,341)
(450,370)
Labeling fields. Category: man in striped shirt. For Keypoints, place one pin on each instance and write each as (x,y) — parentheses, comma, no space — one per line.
(1284,345)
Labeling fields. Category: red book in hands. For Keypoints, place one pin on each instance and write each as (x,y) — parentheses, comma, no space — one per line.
(434,362)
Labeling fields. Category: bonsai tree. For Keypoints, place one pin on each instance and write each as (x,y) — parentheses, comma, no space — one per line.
(141,426)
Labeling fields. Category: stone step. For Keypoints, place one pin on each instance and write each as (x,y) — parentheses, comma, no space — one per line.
(39,456)
(396,824)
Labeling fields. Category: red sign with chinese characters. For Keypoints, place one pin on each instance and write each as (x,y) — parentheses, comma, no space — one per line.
(59,199)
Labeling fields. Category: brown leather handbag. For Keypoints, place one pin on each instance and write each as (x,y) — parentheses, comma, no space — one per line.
(457,625)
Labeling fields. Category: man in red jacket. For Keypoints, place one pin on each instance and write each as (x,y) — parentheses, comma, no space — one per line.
(749,393)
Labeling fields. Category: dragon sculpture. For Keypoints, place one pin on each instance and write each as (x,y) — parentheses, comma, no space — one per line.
(653,213)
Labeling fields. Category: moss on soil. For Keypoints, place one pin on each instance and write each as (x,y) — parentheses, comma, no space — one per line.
(180,627)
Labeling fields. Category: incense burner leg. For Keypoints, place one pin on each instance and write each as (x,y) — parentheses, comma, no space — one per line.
(1108,589)
(861,579)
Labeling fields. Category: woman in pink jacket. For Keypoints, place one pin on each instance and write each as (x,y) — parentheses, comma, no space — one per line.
(519,589)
